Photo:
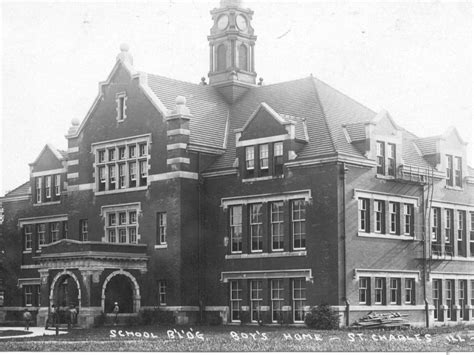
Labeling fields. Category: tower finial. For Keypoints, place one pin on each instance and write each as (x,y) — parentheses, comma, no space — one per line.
(124,56)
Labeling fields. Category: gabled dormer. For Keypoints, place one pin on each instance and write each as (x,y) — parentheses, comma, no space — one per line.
(47,175)
(446,153)
(268,140)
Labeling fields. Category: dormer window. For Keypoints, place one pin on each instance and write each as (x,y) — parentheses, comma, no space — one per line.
(38,189)
(391,159)
(264,157)
(458,171)
(57,185)
(249,158)
(121,107)
(386,158)
(47,189)
(278,158)
(453,171)
(381,158)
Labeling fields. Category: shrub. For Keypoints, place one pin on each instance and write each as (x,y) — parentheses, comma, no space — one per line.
(100,319)
(322,317)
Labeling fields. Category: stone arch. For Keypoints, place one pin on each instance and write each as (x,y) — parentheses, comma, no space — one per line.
(136,289)
(58,276)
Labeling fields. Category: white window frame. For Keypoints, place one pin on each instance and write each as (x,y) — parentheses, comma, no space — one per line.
(299,219)
(114,225)
(457,170)
(449,298)
(235,228)
(448,215)
(391,159)
(379,216)
(162,286)
(41,234)
(162,227)
(409,291)
(277,299)
(235,289)
(28,231)
(394,290)
(250,158)
(28,294)
(47,186)
(393,208)
(449,170)
(461,220)
(121,99)
(380,152)
(84,230)
(256,227)
(379,290)
(435,224)
(38,189)
(277,223)
(57,184)
(256,299)
(54,232)
(299,303)
(364,283)
(435,296)
(363,215)
(408,225)
(263,156)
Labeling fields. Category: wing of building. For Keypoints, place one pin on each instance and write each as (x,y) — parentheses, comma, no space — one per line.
(238,201)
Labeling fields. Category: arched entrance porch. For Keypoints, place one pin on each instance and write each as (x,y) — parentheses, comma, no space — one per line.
(65,293)
(122,287)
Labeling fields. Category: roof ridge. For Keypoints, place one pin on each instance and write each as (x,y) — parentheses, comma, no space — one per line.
(177,80)
(318,99)
(282,82)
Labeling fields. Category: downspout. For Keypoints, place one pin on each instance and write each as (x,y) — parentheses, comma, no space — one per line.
(200,300)
(344,171)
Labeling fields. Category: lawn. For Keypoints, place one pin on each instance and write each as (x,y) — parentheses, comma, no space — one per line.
(246,338)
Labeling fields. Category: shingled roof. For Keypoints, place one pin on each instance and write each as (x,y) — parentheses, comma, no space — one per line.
(22,190)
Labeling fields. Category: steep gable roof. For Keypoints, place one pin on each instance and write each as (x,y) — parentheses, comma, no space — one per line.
(23,189)
(59,154)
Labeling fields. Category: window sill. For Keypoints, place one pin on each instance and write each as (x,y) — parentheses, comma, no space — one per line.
(455,188)
(262,178)
(161,246)
(109,192)
(452,258)
(385,236)
(27,251)
(266,255)
(47,203)
(385,177)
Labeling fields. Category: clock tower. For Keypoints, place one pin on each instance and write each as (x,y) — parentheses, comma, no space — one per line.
(231,43)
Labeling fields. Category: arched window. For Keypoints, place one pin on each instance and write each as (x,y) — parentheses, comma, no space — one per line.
(243,57)
(221,57)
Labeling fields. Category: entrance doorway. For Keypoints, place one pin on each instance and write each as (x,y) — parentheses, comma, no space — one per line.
(119,289)
(66,295)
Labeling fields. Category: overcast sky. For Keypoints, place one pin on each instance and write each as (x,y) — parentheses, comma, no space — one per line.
(412,58)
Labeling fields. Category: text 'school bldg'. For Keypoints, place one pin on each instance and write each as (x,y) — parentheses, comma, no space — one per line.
(241,200)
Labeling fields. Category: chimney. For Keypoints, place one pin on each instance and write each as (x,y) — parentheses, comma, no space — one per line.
(178,136)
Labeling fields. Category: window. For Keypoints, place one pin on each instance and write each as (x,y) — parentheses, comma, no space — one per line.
(409,291)
(83,230)
(449,170)
(65,230)
(462,298)
(276,220)
(54,231)
(41,233)
(28,236)
(391,155)
(278,158)
(124,168)
(47,188)
(394,291)
(381,158)
(221,57)
(364,290)
(393,212)
(256,223)
(458,171)
(299,300)
(363,215)
(379,216)
(28,290)
(162,292)
(249,158)
(161,216)
(38,189)
(472,296)
(436,293)
(256,299)
(408,219)
(121,107)
(264,156)
(448,225)
(122,226)
(235,215)
(379,290)
(449,299)
(436,225)
(298,224)
(461,237)
(243,63)
(57,185)
(235,300)
(277,300)
(471,241)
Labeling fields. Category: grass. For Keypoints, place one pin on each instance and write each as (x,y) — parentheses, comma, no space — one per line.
(238,338)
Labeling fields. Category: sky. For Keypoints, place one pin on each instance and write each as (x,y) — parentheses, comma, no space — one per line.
(412,58)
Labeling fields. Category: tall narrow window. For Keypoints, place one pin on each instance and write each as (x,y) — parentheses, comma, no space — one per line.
(121,106)
(363,215)
(47,187)
(28,237)
(381,158)
(132,167)
(121,151)
(379,216)
(112,177)
(102,178)
(65,230)
(143,165)
(278,158)
(299,300)
(84,230)
(276,220)
(462,298)
(111,152)
(221,57)
(162,223)
(41,233)
(101,156)
(243,57)
(394,291)
(162,292)
(448,233)
(298,224)
(393,210)
(256,299)
(471,233)
(278,297)
(449,170)
(235,300)
(408,219)
(28,289)
(391,158)
(122,181)
(256,224)
(458,171)
(364,290)
(449,299)
(461,237)
(472,297)
(122,232)
(436,293)
(54,231)
(249,158)
(435,224)
(235,215)
(410,291)
(263,156)
(379,290)
(57,185)
(38,183)
(142,150)
(132,151)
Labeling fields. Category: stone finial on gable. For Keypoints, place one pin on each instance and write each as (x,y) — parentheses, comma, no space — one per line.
(180,108)
(74,126)
(125,56)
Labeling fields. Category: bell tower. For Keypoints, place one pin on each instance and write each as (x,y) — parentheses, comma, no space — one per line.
(231,44)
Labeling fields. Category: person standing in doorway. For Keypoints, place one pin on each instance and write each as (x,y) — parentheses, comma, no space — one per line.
(116,311)
(27,318)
